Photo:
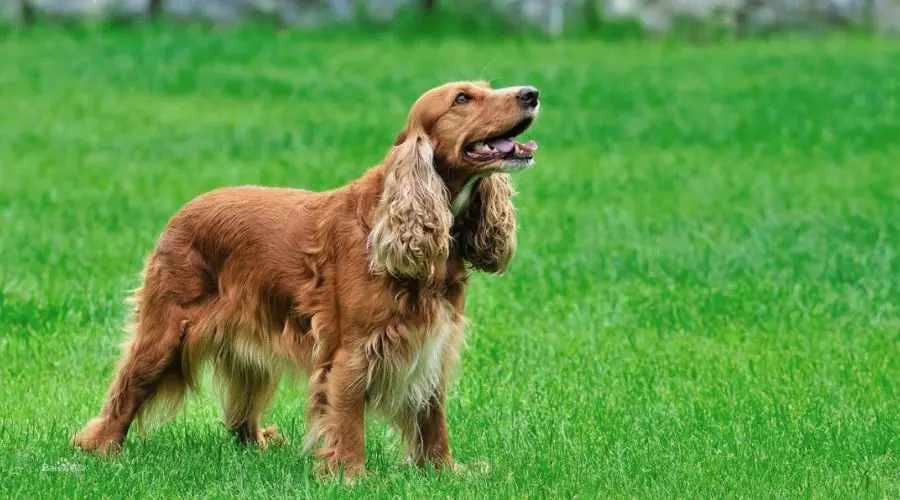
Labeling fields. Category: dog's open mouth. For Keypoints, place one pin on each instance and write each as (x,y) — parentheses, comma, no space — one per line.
(504,146)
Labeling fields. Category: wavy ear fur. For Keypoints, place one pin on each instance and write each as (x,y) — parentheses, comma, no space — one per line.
(411,229)
(488,238)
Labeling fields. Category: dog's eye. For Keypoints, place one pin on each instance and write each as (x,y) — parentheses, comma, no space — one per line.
(462,98)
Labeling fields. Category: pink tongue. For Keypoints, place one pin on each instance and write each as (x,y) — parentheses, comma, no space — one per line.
(502,145)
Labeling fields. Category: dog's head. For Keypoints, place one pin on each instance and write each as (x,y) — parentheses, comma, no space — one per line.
(473,128)
(460,130)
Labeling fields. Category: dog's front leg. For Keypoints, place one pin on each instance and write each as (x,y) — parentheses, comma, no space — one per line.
(435,440)
(425,430)
(343,449)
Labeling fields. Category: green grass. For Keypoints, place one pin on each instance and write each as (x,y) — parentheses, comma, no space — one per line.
(704,302)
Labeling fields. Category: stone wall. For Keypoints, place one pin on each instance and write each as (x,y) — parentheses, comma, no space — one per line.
(551,16)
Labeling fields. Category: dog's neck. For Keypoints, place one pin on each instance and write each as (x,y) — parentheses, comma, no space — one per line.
(461,200)
(460,186)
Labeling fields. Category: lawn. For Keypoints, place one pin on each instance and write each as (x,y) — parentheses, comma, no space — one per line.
(705,301)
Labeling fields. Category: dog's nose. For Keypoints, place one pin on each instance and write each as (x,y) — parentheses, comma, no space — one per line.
(528,96)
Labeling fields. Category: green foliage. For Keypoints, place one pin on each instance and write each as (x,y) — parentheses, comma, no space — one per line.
(704,302)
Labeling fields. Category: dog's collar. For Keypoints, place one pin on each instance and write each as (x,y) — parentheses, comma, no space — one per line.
(464,197)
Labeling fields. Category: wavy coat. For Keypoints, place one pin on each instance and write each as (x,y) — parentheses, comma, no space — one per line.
(362,288)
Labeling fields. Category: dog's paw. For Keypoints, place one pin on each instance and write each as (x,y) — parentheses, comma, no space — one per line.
(332,468)
(270,436)
(98,438)
(261,437)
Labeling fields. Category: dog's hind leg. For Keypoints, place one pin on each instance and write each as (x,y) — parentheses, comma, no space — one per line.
(152,369)
(247,390)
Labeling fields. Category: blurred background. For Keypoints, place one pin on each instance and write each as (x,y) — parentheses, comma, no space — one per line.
(697,18)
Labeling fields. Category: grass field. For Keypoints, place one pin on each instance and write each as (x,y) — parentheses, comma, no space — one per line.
(705,302)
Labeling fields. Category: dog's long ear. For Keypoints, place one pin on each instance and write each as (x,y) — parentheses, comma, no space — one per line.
(488,238)
(411,229)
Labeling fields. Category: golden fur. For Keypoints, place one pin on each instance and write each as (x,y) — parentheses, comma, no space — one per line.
(361,287)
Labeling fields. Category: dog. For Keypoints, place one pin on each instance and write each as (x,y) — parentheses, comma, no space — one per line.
(362,288)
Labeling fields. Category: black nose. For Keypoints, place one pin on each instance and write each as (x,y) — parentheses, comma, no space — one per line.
(528,96)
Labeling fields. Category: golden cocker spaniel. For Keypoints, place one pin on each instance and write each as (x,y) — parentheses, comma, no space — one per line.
(361,287)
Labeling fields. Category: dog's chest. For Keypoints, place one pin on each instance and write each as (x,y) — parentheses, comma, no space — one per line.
(406,366)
